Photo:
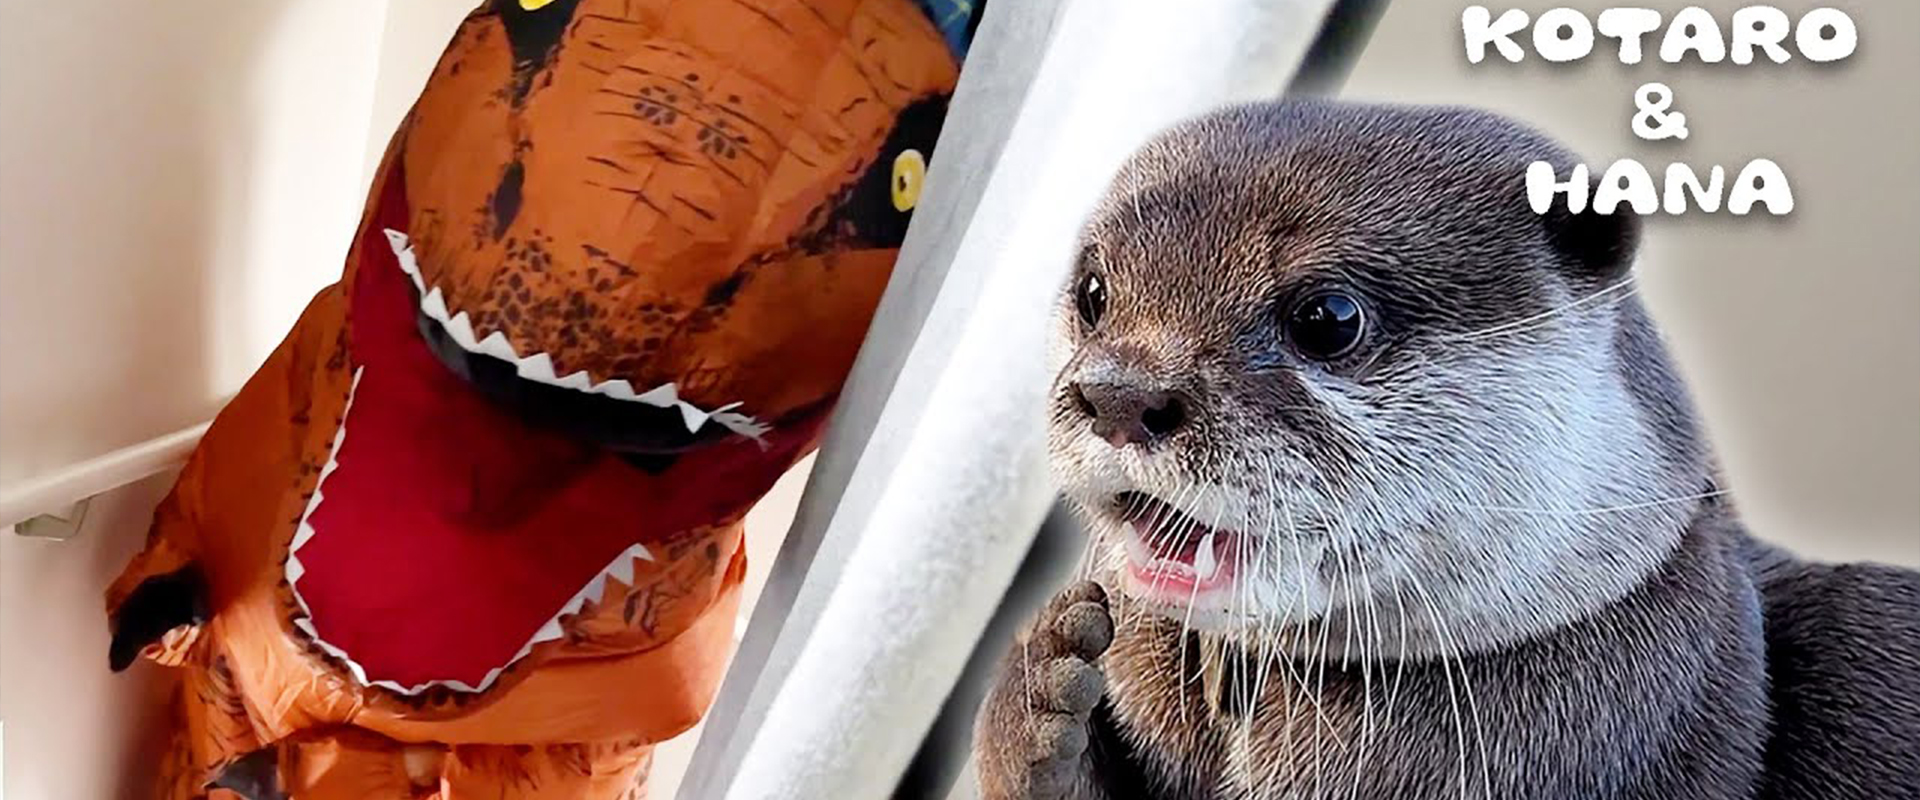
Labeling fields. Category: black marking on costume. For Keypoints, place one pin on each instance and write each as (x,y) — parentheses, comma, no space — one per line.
(505,203)
(534,36)
(864,216)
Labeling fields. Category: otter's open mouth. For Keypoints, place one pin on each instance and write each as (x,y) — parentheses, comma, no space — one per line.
(1171,556)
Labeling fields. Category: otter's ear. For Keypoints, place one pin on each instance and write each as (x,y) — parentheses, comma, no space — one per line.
(1591,243)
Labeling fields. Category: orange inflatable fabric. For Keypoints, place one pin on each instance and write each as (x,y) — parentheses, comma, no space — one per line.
(474,529)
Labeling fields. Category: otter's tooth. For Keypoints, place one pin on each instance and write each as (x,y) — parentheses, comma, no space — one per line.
(435,304)
(496,345)
(462,332)
(537,367)
(1203,561)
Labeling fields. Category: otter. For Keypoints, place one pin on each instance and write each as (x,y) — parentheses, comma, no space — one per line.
(1393,492)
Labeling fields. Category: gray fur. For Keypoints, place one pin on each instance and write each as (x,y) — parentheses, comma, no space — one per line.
(1483,556)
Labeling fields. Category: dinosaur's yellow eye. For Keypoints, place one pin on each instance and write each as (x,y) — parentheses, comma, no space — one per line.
(535,5)
(909,172)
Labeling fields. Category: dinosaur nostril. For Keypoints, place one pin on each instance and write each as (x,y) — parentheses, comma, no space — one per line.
(1163,417)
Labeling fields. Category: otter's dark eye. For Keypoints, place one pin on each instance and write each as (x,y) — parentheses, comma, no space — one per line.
(1326,326)
(1091,298)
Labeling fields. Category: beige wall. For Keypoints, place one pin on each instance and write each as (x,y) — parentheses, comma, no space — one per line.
(176,179)
(73,729)
(1801,336)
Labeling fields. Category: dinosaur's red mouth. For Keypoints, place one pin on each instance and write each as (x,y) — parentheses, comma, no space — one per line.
(448,537)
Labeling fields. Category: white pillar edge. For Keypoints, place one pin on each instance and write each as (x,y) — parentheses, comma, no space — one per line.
(944,540)
(886,390)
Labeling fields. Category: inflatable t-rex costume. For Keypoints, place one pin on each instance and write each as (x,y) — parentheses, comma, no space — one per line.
(474,529)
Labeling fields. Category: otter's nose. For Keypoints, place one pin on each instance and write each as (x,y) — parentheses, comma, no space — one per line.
(1124,414)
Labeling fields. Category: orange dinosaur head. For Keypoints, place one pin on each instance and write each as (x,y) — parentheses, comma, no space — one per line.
(615,270)
(617,196)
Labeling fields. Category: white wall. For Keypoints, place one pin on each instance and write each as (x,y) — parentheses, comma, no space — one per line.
(176,179)
(75,731)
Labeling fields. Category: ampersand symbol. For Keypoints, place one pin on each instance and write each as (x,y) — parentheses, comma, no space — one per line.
(1654,122)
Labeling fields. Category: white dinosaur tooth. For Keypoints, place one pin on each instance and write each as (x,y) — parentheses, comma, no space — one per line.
(549,631)
(664,395)
(596,589)
(641,552)
(326,470)
(622,569)
(301,536)
(331,650)
(402,250)
(461,329)
(496,345)
(694,417)
(404,256)
(1204,563)
(435,304)
(538,367)
(295,569)
(617,389)
(579,381)
(305,624)
(742,424)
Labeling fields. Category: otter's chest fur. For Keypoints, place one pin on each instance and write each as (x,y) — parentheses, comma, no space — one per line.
(1663,694)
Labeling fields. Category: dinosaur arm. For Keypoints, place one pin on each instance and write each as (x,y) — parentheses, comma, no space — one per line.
(167,591)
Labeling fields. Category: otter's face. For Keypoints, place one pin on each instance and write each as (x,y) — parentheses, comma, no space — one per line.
(1323,369)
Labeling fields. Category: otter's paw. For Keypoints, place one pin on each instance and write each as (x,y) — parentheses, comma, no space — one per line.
(1031,740)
